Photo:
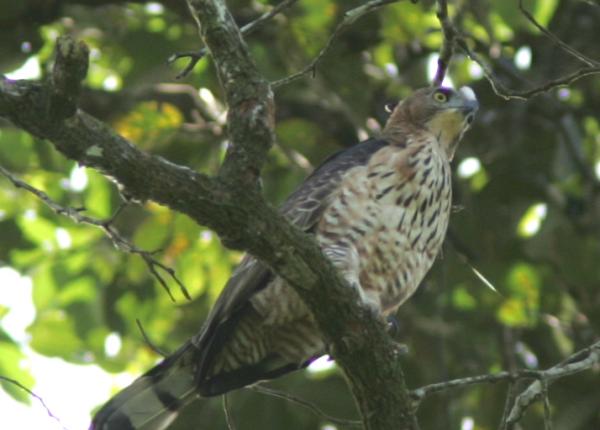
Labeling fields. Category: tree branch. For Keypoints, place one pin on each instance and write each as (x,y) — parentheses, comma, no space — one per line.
(564,46)
(258,388)
(447,49)
(195,56)
(37,397)
(592,67)
(231,205)
(349,18)
(251,107)
(574,364)
(111,232)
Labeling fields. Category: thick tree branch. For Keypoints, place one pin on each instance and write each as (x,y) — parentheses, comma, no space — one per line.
(231,205)
(249,97)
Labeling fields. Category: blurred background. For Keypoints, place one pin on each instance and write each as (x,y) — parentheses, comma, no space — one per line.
(526,195)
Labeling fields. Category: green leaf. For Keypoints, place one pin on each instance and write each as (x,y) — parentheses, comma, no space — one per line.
(38,230)
(44,286)
(97,196)
(152,233)
(53,334)
(521,308)
(11,358)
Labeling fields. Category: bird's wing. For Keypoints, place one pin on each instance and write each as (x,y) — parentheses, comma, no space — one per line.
(303,208)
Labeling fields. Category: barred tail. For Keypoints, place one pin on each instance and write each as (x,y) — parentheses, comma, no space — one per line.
(153,400)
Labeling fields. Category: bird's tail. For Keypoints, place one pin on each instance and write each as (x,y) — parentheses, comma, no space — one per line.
(152,401)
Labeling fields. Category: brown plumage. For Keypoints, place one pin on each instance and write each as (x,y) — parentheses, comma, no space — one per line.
(379,211)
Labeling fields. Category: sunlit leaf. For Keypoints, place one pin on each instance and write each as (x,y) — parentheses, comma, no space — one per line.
(11,358)
(521,307)
(53,334)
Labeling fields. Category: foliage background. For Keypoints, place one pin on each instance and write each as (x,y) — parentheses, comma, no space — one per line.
(526,194)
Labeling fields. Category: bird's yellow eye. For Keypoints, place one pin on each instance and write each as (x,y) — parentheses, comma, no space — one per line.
(440,97)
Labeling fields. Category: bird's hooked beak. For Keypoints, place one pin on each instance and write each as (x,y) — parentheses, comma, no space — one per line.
(467,103)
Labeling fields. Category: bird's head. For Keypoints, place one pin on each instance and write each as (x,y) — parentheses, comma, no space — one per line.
(443,112)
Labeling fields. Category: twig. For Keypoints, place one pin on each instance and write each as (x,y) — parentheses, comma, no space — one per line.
(546,401)
(447,49)
(592,67)
(195,56)
(572,365)
(564,46)
(38,398)
(576,363)
(111,232)
(422,392)
(304,403)
(502,91)
(228,416)
(349,18)
(510,397)
(150,344)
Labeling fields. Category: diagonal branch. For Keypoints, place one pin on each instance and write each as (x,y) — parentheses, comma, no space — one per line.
(111,232)
(259,388)
(370,358)
(349,18)
(578,362)
(232,206)
(592,67)
(564,46)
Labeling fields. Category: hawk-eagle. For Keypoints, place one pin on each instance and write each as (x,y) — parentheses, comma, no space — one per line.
(379,210)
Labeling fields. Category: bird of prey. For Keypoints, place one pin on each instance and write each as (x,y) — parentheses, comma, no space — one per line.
(379,211)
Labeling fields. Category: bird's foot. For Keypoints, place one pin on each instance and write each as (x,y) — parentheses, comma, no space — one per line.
(394,330)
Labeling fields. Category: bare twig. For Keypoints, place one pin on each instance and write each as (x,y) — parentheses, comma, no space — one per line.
(592,66)
(349,18)
(258,388)
(546,401)
(150,344)
(564,46)
(449,32)
(111,232)
(502,91)
(38,398)
(422,392)
(195,56)
(510,397)
(578,362)
(228,416)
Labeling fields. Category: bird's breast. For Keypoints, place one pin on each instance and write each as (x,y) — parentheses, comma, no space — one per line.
(389,220)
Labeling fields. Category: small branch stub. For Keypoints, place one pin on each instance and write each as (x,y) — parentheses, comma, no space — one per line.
(70,68)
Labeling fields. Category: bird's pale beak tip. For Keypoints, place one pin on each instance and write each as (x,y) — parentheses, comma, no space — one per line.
(471,103)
